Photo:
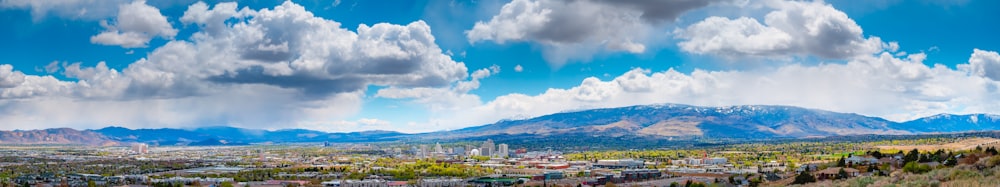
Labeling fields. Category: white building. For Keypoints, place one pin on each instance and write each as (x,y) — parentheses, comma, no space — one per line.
(715,161)
(474,152)
(438,149)
(140,148)
(503,150)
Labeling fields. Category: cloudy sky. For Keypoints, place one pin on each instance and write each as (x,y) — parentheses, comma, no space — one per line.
(419,66)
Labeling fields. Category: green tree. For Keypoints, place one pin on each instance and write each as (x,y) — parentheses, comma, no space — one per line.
(951,161)
(804,177)
(841,162)
(226,184)
(842,174)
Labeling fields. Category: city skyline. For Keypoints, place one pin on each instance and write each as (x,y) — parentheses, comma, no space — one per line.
(422,66)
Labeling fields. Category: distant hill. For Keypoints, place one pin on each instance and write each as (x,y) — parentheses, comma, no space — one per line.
(55,136)
(647,123)
(672,120)
(951,123)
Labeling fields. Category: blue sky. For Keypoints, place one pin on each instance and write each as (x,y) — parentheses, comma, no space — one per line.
(418,66)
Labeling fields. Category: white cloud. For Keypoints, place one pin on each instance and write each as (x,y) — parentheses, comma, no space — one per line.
(444,99)
(10,78)
(518,68)
(135,25)
(984,63)
(246,68)
(880,85)
(794,28)
(576,30)
(363,124)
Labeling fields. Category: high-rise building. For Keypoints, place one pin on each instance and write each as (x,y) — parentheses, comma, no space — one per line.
(140,148)
(502,151)
(488,148)
(423,151)
(438,149)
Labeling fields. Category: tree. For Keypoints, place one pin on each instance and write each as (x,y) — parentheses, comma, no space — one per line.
(804,177)
(914,167)
(675,184)
(226,184)
(913,155)
(842,174)
(876,154)
(951,161)
(841,162)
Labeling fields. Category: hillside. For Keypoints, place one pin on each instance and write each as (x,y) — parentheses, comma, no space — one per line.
(742,122)
(634,123)
(55,136)
(951,123)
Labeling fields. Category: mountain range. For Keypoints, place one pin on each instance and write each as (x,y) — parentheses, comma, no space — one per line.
(665,121)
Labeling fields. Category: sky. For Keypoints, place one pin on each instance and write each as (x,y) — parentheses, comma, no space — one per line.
(422,66)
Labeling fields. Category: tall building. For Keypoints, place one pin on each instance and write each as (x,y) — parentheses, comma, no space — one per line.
(438,149)
(140,148)
(460,151)
(423,151)
(502,151)
(488,148)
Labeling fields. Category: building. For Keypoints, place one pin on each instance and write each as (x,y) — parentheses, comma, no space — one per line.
(715,161)
(831,173)
(855,160)
(474,152)
(140,148)
(440,182)
(488,148)
(502,151)
(423,151)
(620,164)
(438,149)
(460,151)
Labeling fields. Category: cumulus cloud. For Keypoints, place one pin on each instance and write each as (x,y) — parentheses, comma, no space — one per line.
(792,28)
(135,25)
(518,68)
(10,78)
(879,85)
(576,30)
(984,63)
(243,67)
(447,98)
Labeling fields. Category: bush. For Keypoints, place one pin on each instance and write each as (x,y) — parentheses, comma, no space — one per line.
(804,177)
(914,167)
(992,161)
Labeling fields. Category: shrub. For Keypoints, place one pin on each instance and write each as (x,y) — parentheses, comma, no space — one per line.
(914,167)
(804,177)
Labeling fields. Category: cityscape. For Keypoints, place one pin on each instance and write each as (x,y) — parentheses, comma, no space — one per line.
(491,93)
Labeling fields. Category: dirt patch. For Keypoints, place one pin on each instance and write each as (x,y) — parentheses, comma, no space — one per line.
(673,128)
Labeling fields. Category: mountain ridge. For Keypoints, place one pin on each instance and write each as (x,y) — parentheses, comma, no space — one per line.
(644,121)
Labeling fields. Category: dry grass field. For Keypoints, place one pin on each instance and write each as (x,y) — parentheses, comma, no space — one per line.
(965,144)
